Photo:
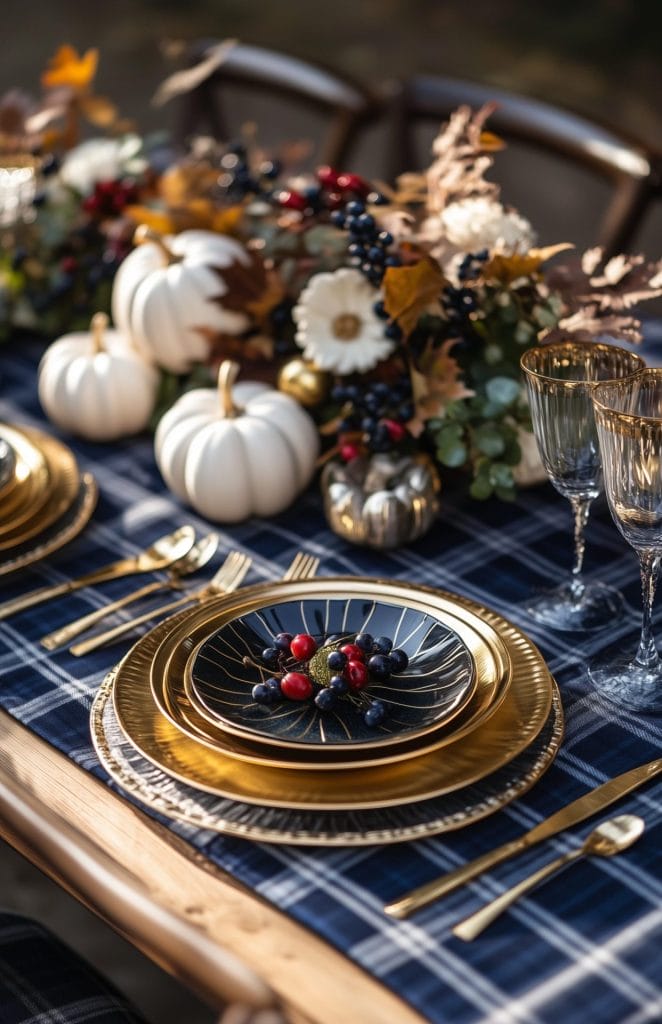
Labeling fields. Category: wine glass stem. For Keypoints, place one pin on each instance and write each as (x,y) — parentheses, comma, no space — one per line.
(647,655)
(580,508)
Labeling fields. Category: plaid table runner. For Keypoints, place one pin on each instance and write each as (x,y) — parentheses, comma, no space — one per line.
(584,949)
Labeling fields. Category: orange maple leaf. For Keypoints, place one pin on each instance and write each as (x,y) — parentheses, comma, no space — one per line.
(408,291)
(68,68)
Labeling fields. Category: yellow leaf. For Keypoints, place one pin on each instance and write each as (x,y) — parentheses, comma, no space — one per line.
(98,110)
(68,68)
(160,221)
(491,142)
(507,269)
(409,290)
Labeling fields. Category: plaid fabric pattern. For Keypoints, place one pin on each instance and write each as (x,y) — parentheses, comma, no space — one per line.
(587,946)
(42,981)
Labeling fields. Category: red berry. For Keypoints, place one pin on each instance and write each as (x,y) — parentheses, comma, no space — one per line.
(292,200)
(353,183)
(296,686)
(396,431)
(356,674)
(352,652)
(327,177)
(69,264)
(303,646)
(349,452)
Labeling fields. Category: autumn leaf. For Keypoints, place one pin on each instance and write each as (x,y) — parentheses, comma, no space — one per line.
(508,268)
(591,324)
(408,291)
(201,215)
(245,283)
(256,348)
(67,68)
(274,293)
(437,381)
(490,142)
(99,111)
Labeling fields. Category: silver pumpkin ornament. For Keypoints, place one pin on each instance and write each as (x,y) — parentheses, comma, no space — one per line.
(382,501)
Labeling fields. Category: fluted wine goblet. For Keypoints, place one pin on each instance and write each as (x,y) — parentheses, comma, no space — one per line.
(628,414)
(560,381)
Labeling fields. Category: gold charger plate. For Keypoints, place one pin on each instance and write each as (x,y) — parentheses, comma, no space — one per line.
(29,490)
(170,680)
(64,484)
(66,529)
(498,740)
(146,783)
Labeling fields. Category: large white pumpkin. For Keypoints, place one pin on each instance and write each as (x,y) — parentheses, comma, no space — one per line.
(96,385)
(167,294)
(237,451)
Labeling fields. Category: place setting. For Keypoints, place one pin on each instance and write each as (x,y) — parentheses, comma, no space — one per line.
(45,500)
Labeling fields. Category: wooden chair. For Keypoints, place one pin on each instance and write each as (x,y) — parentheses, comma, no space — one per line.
(346,107)
(632,173)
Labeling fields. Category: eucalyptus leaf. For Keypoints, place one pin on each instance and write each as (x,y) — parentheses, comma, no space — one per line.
(489,441)
(452,453)
(481,488)
(502,390)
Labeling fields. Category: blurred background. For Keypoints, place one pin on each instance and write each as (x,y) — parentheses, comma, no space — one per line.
(599,58)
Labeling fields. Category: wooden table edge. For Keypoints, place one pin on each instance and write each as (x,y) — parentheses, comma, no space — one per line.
(197,922)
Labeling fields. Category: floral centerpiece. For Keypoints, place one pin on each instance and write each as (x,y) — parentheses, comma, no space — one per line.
(396,314)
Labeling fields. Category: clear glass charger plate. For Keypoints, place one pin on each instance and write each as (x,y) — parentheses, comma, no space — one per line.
(154,788)
(55,537)
(61,492)
(511,728)
(170,679)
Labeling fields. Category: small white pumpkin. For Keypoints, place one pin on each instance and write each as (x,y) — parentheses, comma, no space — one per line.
(236,451)
(96,385)
(167,294)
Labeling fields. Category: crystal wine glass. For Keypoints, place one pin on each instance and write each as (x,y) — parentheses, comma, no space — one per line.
(629,421)
(560,380)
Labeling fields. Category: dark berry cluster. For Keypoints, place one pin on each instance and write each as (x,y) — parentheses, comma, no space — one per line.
(327,670)
(460,301)
(369,246)
(109,198)
(373,417)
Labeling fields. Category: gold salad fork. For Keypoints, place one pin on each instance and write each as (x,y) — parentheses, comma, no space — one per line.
(227,578)
(302,567)
(194,560)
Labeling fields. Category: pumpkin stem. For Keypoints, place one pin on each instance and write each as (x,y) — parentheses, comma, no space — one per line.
(143,234)
(227,375)
(98,326)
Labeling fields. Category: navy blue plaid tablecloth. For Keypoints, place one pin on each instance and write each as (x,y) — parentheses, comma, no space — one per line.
(586,948)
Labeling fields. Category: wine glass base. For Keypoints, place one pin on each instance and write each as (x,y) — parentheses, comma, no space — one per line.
(559,609)
(626,684)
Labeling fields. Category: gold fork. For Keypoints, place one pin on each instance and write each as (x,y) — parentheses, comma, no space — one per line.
(227,578)
(302,567)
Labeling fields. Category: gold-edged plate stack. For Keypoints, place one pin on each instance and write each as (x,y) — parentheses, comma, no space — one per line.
(44,499)
(152,736)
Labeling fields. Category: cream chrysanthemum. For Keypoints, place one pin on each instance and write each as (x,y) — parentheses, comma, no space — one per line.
(336,324)
(482,223)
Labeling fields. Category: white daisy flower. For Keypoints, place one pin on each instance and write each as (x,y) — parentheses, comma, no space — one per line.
(336,325)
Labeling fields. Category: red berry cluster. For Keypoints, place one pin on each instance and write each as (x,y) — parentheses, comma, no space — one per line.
(110,198)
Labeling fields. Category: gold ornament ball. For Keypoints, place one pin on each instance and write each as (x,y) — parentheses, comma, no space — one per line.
(304,382)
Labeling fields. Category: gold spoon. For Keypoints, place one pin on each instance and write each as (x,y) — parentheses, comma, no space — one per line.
(611,837)
(160,555)
(193,560)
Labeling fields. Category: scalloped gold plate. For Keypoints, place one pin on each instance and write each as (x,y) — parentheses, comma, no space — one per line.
(28,491)
(504,734)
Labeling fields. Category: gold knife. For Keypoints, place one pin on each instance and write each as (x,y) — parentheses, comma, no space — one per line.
(585,807)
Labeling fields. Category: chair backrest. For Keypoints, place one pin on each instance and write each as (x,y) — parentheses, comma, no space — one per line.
(345,105)
(627,166)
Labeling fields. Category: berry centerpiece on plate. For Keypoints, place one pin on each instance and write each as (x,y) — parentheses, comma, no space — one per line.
(325,670)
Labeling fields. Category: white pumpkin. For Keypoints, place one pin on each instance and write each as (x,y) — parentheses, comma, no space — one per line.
(167,294)
(237,451)
(96,385)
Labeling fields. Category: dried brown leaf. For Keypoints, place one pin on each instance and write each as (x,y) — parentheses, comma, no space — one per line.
(436,382)
(409,290)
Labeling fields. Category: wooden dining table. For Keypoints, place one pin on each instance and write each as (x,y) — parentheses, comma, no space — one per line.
(303,928)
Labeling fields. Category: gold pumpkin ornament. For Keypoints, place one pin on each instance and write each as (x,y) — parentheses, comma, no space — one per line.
(381,502)
(303,381)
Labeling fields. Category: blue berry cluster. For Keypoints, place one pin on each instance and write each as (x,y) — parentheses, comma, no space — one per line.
(377,410)
(460,301)
(369,245)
